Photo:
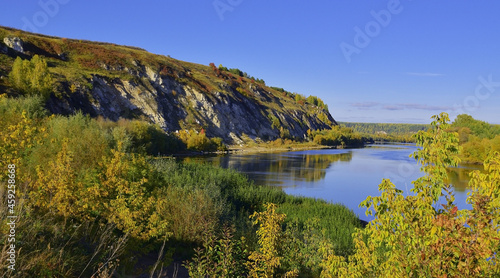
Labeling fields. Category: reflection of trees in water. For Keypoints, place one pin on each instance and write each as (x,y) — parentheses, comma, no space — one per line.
(459,177)
(277,168)
(312,167)
(272,168)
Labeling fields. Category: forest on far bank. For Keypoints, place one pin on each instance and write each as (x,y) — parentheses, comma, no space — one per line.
(477,138)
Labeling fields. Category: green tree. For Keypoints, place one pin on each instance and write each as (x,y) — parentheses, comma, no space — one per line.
(222,68)
(476,138)
(32,77)
(476,127)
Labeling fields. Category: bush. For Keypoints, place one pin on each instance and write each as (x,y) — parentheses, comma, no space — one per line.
(198,141)
(236,72)
(34,106)
(275,122)
(317,102)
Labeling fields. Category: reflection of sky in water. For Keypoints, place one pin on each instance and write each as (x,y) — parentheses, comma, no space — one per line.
(341,176)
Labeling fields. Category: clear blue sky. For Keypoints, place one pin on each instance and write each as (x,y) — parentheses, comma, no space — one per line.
(370,61)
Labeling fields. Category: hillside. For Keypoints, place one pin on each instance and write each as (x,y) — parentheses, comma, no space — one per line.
(113,81)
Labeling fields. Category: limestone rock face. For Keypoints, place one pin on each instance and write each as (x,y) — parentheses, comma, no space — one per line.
(14,43)
(174,106)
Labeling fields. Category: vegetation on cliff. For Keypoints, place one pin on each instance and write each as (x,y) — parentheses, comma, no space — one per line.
(103,79)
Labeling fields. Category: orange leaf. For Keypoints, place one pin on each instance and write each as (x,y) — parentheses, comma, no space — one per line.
(454,210)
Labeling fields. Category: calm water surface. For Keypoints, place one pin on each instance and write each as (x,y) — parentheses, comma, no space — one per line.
(345,176)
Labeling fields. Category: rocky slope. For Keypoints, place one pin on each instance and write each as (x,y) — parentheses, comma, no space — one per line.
(115,82)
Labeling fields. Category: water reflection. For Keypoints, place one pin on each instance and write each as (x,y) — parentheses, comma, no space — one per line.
(459,176)
(281,168)
(339,176)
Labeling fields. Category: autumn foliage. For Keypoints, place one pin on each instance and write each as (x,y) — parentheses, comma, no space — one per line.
(424,234)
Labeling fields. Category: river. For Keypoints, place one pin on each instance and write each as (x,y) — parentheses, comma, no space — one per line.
(344,176)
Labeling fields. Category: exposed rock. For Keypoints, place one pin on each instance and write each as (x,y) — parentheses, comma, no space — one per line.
(167,102)
(14,43)
(63,56)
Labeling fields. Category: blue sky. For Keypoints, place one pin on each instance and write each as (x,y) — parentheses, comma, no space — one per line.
(370,61)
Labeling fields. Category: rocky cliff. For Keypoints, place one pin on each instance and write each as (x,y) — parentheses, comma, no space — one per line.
(112,81)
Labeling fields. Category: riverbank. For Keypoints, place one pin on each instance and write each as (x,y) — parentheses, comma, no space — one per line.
(271,149)
(262,147)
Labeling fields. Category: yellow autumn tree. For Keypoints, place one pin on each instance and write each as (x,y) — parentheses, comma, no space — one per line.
(265,261)
(424,234)
(133,204)
(56,187)
(116,191)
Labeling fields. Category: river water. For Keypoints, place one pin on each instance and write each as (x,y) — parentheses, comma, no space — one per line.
(344,176)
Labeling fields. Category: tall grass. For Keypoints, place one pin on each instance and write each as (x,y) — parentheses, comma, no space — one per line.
(236,195)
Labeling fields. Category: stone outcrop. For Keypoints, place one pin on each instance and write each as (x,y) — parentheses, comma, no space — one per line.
(173,105)
(14,43)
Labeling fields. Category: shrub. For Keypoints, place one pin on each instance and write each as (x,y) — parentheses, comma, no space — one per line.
(285,133)
(215,69)
(317,102)
(242,91)
(13,107)
(275,122)
(221,256)
(236,72)
(83,137)
(324,118)
(198,141)
(222,68)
